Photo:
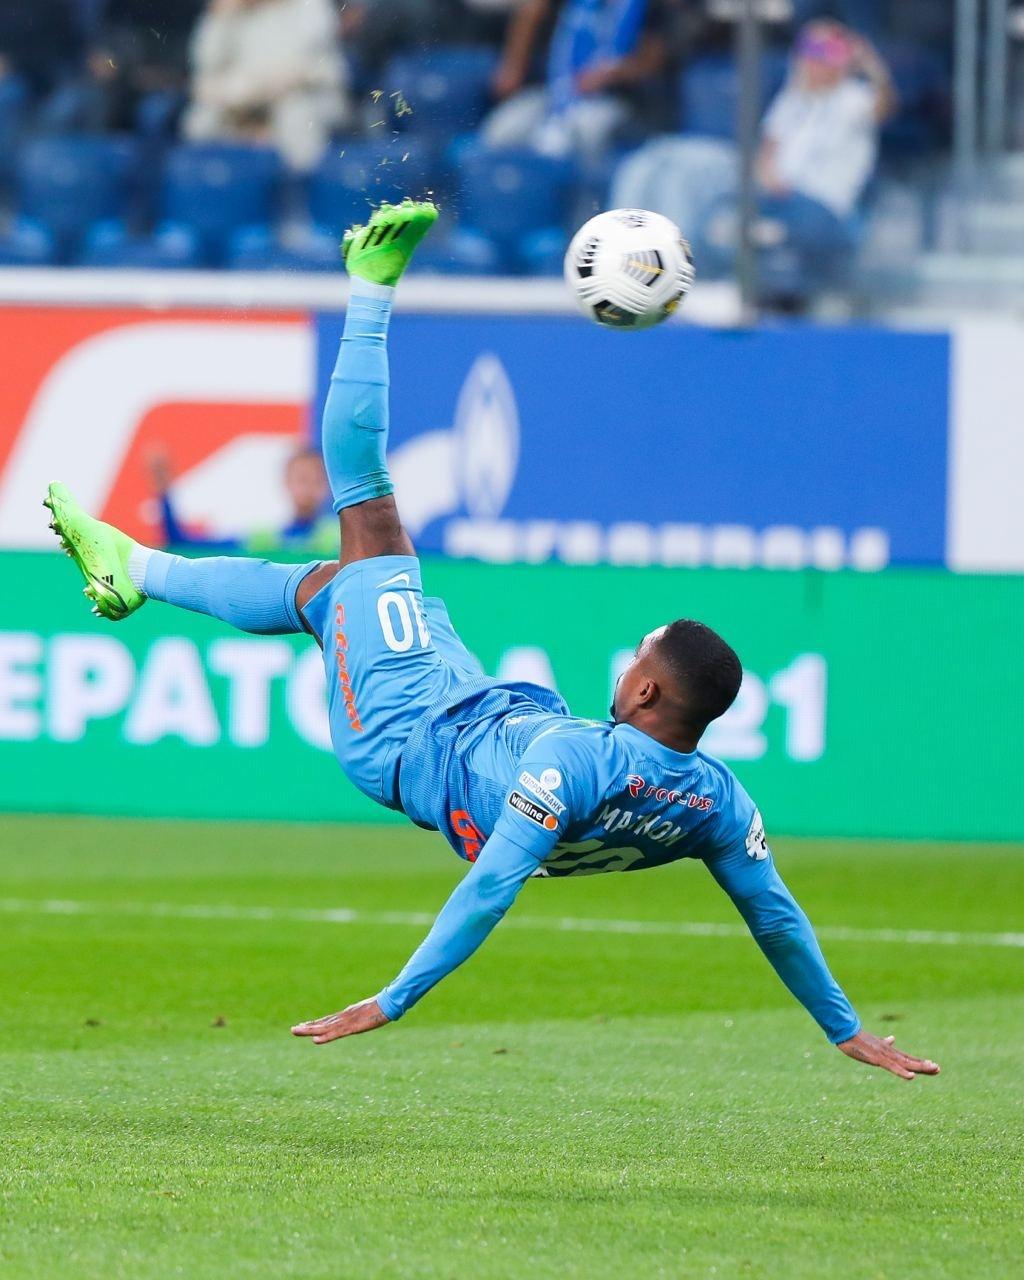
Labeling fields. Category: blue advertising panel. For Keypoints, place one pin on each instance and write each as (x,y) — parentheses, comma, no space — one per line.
(532,438)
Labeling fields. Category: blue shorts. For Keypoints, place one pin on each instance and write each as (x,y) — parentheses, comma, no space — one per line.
(391,657)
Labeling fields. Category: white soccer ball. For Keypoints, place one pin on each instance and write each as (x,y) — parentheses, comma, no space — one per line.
(628,268)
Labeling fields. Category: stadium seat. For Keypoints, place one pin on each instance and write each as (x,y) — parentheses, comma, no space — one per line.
(442,90)
(110,244)
(27,243)
(14,100)
(709,92)
(217,188)
(542,253)
(259,249)
(68,183)
(460,253)
(355,174)
(157,113)
(923,86)
(509,194)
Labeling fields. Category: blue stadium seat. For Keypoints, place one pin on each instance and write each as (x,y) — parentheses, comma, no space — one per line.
(460,253)
(157,113)
(923,85)
(27,243)
(542,253)
(441,90)
(259,249)
(354,174)
(67,183)
(709,92)
(110,244)
(509,194)
(14,100)
(216,188)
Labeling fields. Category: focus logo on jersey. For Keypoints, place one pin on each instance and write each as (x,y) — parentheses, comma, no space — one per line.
(757,842)
(543,817)
(540,788)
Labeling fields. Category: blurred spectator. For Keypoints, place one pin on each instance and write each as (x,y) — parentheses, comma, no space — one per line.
(820,144)
(271,71)
(313,527)
(39,42)
(138,51)
(602,53)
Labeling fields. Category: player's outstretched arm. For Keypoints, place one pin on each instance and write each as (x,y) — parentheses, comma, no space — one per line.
(783,932)
(474,908)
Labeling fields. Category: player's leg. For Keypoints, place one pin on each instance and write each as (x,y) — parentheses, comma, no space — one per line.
(259,596)
(121,574)
(355,421)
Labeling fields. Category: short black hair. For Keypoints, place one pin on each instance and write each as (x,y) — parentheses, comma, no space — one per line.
(707,670)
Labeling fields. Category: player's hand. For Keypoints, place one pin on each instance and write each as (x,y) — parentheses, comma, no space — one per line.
(353,1021)
(881,1052)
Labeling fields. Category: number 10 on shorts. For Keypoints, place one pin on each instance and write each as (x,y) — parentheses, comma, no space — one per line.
(402,621)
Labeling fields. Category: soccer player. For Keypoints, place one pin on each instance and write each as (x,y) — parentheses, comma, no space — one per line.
(517,785)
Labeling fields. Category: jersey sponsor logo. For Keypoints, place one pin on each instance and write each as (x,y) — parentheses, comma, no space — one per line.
(468,832)
(551,779)
(538,787)
(398,580)
(757,841)
(534,812)
(638,787)
(344,676)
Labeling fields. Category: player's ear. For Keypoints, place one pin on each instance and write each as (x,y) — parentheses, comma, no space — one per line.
(647,694)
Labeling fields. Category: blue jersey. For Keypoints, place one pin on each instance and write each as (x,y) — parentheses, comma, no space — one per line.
(520,788)
(583,796)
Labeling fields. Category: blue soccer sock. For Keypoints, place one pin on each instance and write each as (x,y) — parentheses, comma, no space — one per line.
(252,595)
(355,423)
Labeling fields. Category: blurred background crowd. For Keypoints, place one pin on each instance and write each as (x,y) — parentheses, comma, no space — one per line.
(246,133)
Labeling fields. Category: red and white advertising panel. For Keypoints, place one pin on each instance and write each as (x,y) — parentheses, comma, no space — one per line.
(87,395)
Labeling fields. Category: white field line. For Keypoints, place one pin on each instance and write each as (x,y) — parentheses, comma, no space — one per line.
(554,924)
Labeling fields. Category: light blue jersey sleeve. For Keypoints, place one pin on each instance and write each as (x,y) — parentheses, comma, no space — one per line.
(746,871)
(555,781)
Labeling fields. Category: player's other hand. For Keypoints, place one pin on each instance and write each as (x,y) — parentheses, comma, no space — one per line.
(881,1052)
(357,1018)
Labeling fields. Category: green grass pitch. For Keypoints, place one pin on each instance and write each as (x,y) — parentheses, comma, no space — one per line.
(615,1100)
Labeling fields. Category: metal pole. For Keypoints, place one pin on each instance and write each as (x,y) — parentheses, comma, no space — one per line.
(748,65)
(965,88)
(994,124)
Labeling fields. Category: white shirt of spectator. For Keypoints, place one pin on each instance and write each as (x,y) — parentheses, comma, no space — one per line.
(826,142)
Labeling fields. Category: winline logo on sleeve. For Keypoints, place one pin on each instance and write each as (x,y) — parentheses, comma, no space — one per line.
(534,812)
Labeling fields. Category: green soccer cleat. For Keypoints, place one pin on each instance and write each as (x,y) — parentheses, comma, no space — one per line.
(101,553)
(381,251)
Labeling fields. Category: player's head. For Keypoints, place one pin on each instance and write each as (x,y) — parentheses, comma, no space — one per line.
(306,481)
(682,677)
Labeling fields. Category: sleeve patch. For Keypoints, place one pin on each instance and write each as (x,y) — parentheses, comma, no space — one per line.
(757,842)
(527,809)
(543,788)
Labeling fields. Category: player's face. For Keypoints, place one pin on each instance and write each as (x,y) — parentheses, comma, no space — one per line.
(635,675)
